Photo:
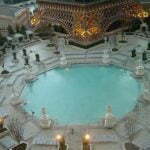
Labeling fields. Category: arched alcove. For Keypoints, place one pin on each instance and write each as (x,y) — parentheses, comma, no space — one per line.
(59,28)
(116,25)
(135,24)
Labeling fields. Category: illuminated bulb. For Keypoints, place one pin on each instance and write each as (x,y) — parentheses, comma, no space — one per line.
(87,137)
(1,120)
(58,137)
(146,14)
(143,14)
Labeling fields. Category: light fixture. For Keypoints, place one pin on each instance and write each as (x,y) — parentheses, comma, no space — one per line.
(1,120)
(87,137)
(58,137)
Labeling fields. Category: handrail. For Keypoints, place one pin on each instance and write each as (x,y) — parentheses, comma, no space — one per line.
(77,1)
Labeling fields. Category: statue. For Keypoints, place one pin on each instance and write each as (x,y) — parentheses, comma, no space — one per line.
(45,122)
(106,57)
(61,45)
(109,120)
(63,60)
(139,72)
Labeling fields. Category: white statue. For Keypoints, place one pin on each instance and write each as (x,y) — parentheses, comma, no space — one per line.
(139,72)
(113,41)
(106,57)
(63,60)
(30,76)
(45,122)
(109,120)
(61,45)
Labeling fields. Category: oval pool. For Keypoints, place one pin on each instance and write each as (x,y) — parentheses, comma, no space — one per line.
(80,94)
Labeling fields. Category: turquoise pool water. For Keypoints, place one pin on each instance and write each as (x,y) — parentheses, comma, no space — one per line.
(80,94)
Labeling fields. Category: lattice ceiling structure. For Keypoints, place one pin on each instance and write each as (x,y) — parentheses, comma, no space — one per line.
(87,21)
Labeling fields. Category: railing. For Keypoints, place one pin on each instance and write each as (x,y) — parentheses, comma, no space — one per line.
(77,1)
(139,34)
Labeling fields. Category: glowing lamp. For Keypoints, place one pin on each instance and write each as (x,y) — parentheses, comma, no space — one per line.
(87,137)
(35,21)
(58,137)
(143,14)
(1,120)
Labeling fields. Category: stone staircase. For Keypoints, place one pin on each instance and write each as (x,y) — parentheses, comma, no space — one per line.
(73,141)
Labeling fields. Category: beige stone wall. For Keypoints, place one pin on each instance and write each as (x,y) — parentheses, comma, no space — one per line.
(5,21)
(21,19)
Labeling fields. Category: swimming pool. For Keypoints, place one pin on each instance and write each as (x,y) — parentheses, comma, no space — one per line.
(80,94)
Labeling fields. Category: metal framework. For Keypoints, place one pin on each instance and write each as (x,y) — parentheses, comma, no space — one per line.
(86,23)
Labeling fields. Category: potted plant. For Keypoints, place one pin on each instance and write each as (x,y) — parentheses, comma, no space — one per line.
(5,73)
(133,53)
(115,49)
(148,46)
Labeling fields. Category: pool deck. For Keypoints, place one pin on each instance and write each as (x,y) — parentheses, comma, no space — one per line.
(101,138)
